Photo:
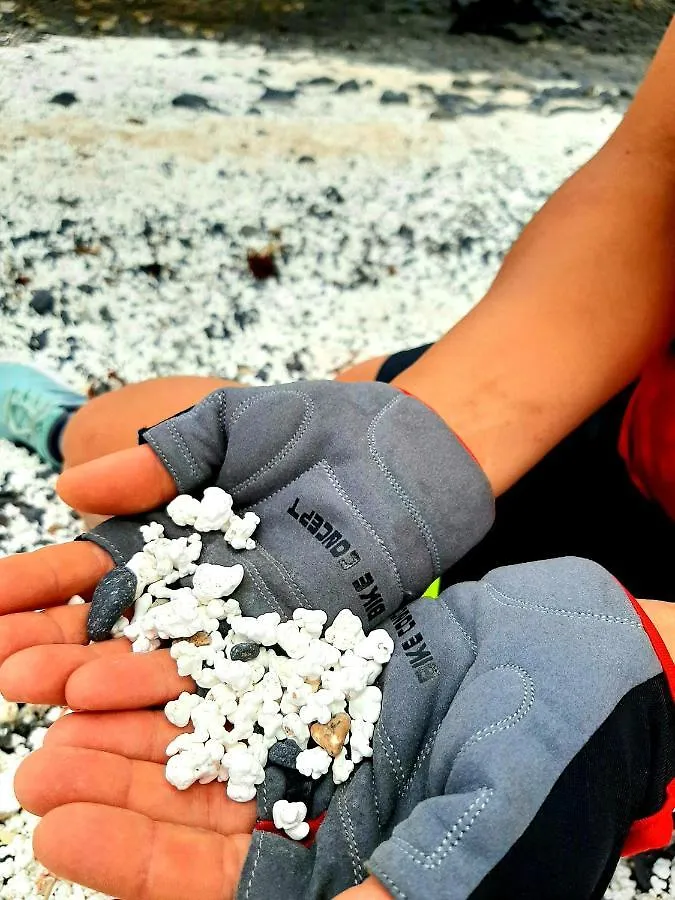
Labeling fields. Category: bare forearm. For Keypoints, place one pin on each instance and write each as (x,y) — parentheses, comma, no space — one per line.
(583,298)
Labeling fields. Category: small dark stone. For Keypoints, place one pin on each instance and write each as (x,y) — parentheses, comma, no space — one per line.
(38,340)
(389,97)
(284,753)
(333,195)
(224,627)
(451,105)
(209,79)
(191,52)
(245,652)
(42,302)
(218,228)
(201,692)
(277,95)
(154,270)
(65,98)
(191,101)
(306,161)
(105,314)
(114,593)
(348,87)
(406,232)
(87,289)
(321,81)
(253,111)
(6,733)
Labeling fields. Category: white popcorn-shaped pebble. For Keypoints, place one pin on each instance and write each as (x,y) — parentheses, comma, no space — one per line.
(271,687)
(178,711)
(294,642)
(239,531)
(313,763)
(317,708)
(378,646)
(238,675)
(183,510)
(119,627)
(366,705)
(346,631)
(211,582)
(374,670)
(224,698)
(291,818)
(310,620)
(215,510)
(342,767)
(244,771)
(296,730)
(152,532)
(182,742)
(232,610)
(360,737)
(261,630)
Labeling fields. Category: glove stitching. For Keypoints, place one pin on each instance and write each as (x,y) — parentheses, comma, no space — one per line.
(286,449)
(398,774)
(388,880)
(150,439)
(255,864)
(262,587)
(286,576)
(113,549)
(376,799)
(465,634)
(501,598)
(450,841)
(366,524)
(183,448)
(398,488)
(508,721)
(421,758)
(357,866)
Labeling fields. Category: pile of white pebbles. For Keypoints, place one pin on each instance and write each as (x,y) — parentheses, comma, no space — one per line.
(295,693)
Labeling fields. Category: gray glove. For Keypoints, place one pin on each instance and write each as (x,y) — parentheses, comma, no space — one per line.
(364,495)
(527,724)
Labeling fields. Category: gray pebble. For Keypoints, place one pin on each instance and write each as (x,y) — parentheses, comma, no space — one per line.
(389,97)
(191,101)
(348,87)
(276,95)
(42,302)
(65,98)
(114,593)
(284,753)
(245,652)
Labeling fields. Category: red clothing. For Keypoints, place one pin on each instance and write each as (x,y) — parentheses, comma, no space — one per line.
(647,441)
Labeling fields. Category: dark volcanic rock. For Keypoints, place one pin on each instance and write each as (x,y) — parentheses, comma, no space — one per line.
(348,87)
(245,652)
(192,101)
(114,593)
(65,98)
(277,95)
(389,97)
(42,302)
(284,753)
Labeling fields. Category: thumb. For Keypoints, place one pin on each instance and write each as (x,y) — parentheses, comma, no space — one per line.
(123,483)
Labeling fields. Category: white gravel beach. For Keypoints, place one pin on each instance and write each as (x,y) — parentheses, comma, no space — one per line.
(137,173)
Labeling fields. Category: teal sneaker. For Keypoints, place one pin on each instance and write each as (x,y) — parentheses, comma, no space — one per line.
(33,406)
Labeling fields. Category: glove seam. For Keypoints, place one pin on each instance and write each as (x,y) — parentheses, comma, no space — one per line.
(357,865)
(508,722)
(183,448)
(421,759)
(506,600)
(462,630)
(255,575)
(288,579)
(442,850)
(255,865)
(113,549)
(399,776)
(389,881)
(150,439)
(398,488)
(288,446)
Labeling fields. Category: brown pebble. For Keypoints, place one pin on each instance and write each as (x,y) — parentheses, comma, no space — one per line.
(201,639)
(333,734)
(314,683)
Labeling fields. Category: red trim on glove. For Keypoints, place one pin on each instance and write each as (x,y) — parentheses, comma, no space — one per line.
(654,831)
(314,825)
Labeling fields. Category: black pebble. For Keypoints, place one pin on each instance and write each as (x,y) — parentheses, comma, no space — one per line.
(394,97)
(201,692)
(65,98)
(275,95)
(284,753)
(6,733)
(321,81)
(348,87)
(38,340)
(114,593)
(333,195)
(245,652)
(191,101)
(42,302)
(306,160)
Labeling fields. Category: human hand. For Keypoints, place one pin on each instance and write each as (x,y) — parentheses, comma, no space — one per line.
(490,774)
(346,480)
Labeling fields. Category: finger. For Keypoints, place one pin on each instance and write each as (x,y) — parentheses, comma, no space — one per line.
(40,674)
(57,776)
(60,625)
(141,735)
(125,681)
(51,575)
(371,889)
(131,857)
(121,483)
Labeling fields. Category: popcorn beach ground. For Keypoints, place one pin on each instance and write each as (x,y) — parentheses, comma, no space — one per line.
(266,682)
